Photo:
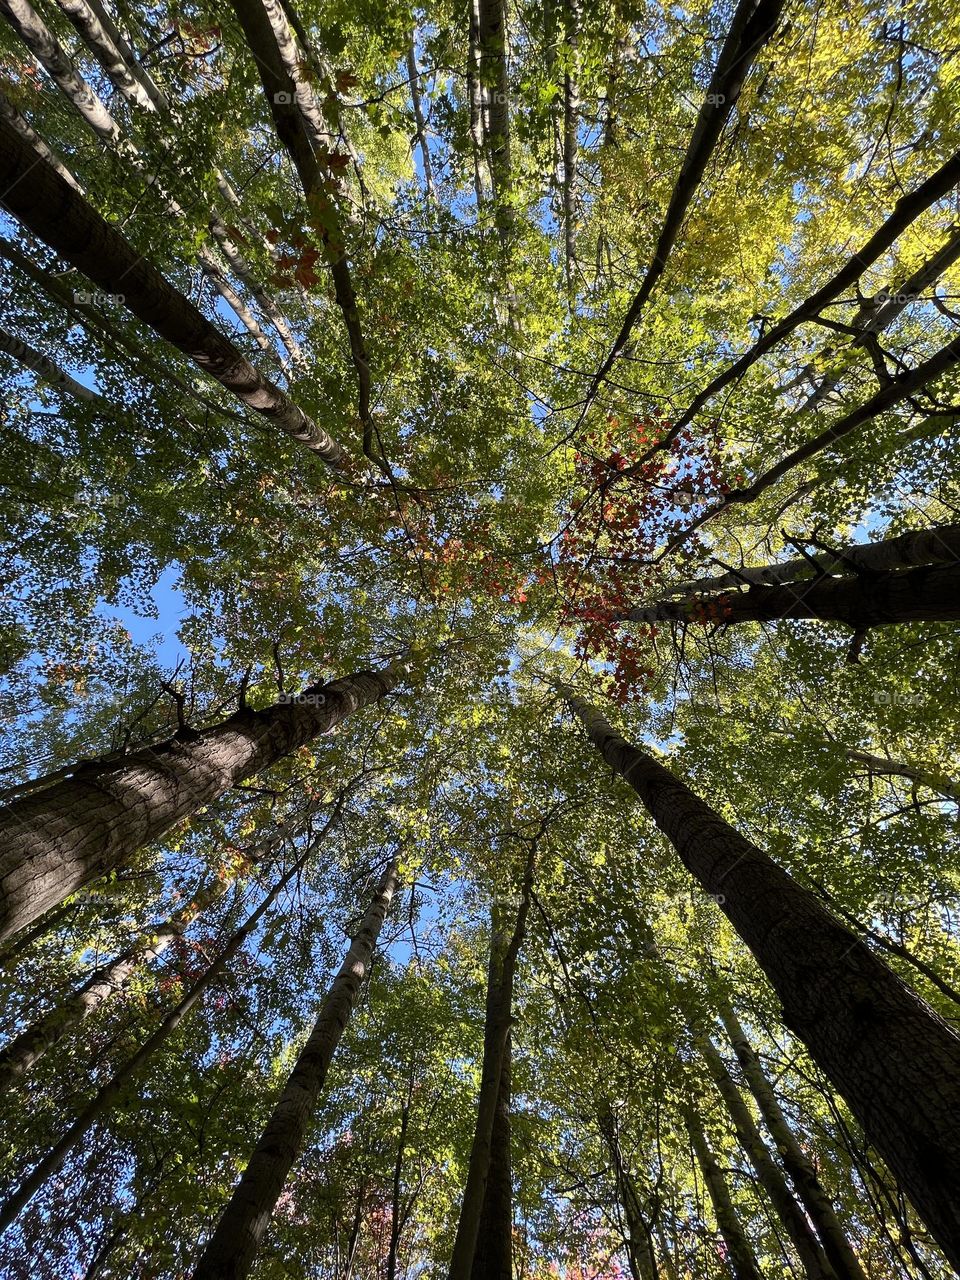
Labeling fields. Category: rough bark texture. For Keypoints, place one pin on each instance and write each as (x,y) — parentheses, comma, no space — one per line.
(233,1246)
(55,841)
(49,207)
(930,593)
(889,1055)
(740,1257)
(812,1257)
(808,1185)
(98,40)
(495,88)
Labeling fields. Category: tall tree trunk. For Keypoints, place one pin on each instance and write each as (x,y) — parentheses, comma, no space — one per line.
(740,1257)
(232,1248)
(97,38)
(504,950)
(422,139)
(808,1185)
(571,124)
(752,26)
(493,1256)
(300,127)
(476,98)
(52,842)
(890,1056)
(930,593)
(49,207)
(812,1258)
(109,1092)
(494,79)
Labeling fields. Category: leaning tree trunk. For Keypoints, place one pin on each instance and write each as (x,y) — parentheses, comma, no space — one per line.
(930,593)
(890,1056)
(48,371)
(812,1258)
(35,194)
(740,1255)
(107,1095)
(232,1248)
(639,1235)
(504,950)
(52,842)
(804,1176)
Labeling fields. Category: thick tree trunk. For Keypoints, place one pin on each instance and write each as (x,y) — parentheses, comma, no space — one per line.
(52,842)
(232,1248)
(808,1185)
(46,205)
(812,1257)
(504,950)
(494,79)
(97,39)
(894,1061)
(740,1256)
(108,1093)
(930,593)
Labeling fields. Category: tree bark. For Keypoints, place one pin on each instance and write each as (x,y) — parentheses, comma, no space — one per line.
(939,544)
(232,1248)
(48,371)
(930,593)
(504,950)
(640,1252)
(493,1256)
(422,139)
(570,132)
(97,39)
(802,1173)
(495,89)
(54,841)
(108,1093)
(49,207)
(889,1055)
(740,1257)
(812,1257)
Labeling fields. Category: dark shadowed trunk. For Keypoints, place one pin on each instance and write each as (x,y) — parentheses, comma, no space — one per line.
(52,842)
(889,1055)
(232,1248)
(493,1256)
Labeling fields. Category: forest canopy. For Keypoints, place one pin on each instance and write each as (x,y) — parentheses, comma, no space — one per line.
(478,640)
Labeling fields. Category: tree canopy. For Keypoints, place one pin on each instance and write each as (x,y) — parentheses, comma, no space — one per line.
(478,640)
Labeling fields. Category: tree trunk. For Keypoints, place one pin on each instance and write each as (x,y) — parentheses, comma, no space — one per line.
(937,545)
(97,39)
(890,1056)
(571,125)
(422,140)
(493,1256)
(46,205)
(231,1250)
(812,1259)
(504,950)
(740,1257)
(107,1095)
(640,1253)
(752,26)
(808,1185)
(930,593)
(49,372)
(52,842)
(493,75)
